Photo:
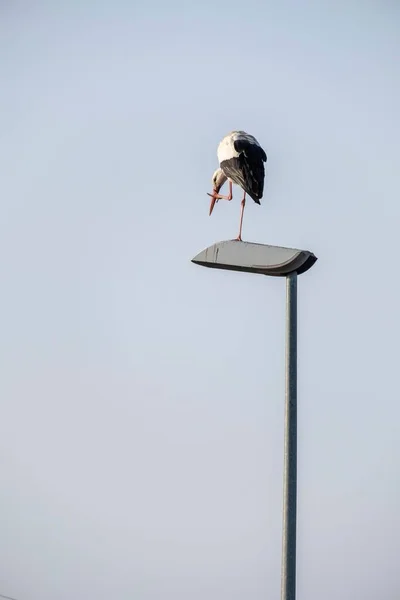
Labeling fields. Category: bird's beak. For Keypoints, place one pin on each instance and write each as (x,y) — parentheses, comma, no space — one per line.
(213,199)
(212,204)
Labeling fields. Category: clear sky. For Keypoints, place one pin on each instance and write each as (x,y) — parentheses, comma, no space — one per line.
(141,424)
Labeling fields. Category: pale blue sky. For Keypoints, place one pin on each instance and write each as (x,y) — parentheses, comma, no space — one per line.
(141,423)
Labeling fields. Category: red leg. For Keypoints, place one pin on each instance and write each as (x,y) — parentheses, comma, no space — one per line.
(243,203)
(215,197)
(220,196)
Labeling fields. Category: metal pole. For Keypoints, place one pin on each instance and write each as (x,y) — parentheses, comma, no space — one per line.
(290,447)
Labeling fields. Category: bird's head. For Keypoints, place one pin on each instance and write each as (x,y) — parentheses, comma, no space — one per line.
(218,180)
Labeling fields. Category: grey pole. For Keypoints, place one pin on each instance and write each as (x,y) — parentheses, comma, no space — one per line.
(289,263)
(290,446)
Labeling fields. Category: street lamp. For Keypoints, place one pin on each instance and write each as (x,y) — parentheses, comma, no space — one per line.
(276,262)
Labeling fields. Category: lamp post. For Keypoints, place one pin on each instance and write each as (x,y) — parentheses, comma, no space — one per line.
(289,263)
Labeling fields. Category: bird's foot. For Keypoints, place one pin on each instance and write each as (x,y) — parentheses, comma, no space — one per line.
(219,196)
(238,239)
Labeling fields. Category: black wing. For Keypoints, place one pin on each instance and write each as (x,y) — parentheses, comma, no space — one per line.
(247,170)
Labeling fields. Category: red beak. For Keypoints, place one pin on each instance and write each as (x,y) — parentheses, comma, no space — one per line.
(212,204)
(213,201)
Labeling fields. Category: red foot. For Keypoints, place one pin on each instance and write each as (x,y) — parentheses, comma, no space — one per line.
(219,197)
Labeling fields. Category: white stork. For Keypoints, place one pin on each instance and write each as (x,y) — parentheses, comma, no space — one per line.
(241,161)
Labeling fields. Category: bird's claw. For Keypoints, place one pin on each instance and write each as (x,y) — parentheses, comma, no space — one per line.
(219,196)
(216,198)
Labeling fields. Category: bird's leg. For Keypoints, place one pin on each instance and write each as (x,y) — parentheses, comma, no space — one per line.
(215,197)
(220,196)
(243,203)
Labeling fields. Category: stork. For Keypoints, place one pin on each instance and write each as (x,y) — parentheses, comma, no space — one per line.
(241,161)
